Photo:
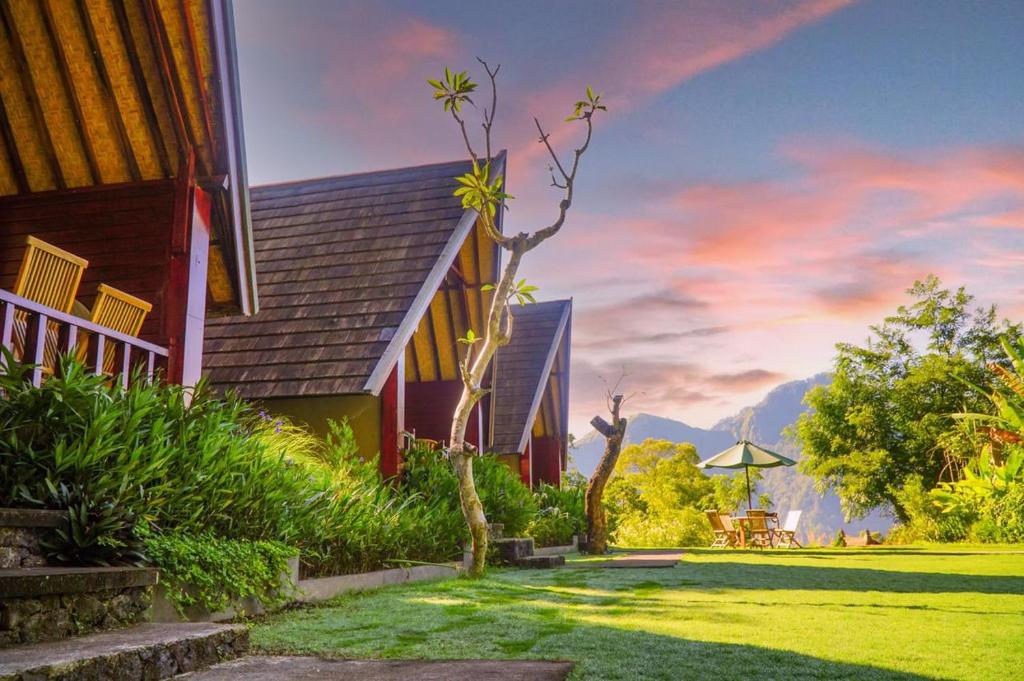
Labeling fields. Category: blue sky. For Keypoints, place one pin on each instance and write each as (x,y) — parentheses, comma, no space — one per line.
(771,177)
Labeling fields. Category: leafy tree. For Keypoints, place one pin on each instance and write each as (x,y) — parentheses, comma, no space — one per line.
(482,189)
(656,484)
(884,416)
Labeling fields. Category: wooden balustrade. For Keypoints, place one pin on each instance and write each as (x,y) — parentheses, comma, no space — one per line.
(63,331)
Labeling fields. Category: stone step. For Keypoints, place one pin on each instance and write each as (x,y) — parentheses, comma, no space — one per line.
(21,532)
(146,651)
(43,604)
(540,562)
(513,549)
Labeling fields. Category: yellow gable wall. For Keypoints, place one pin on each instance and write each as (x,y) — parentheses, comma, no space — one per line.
(362,411)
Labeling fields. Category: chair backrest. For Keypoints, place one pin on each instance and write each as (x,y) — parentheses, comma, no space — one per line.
(726,522)
(757,521)
(715,520)
(792,521)
(119,311)
(49,275)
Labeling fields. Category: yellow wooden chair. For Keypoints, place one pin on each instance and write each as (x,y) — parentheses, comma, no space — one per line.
(49,276)
(119,311)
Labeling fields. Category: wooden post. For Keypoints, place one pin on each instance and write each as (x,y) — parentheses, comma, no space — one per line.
(392,420)
(526,464)
(184,313)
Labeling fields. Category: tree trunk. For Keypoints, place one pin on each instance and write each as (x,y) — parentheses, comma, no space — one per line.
(473,511)
(499,329)
(597,524)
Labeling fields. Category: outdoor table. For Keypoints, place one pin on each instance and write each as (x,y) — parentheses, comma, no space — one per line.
(771,518)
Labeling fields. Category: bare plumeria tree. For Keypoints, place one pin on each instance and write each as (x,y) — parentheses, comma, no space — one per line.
(481,189)
(613,433)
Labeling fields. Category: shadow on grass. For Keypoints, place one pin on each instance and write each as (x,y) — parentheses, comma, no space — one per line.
(505,621)
(643,655)
(918,551)
(834,578)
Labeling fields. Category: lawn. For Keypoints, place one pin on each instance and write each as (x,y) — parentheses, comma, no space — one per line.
(906,613)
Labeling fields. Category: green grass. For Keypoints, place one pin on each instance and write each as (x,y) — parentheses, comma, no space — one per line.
(906,613)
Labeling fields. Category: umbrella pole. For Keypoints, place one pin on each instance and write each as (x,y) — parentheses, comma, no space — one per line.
(750,504)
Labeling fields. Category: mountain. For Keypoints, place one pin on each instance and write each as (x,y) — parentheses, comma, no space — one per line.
(588,450)
(764,423)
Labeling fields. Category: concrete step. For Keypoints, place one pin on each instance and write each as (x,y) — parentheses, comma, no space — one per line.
(43,604)
(540,562)
(146,651)
(512,549)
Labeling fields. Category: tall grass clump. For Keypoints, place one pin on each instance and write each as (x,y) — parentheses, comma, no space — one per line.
(560,515)
(429,475)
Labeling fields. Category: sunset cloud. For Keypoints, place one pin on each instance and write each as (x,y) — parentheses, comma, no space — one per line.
(840,237)
(770,178)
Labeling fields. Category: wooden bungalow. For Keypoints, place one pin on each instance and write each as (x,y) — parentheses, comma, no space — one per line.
(366,283)
(531,393)
(121,143)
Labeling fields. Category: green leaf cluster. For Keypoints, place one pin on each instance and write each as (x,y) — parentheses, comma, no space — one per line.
(454,89)
(586,107)
(478,191)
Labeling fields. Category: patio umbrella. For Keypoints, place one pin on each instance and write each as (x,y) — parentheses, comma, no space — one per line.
(743,455)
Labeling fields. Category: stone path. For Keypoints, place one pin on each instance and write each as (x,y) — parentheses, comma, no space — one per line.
(272,668)
(655,558)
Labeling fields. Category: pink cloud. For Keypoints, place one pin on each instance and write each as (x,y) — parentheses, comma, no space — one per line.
(662,49)
(786,266)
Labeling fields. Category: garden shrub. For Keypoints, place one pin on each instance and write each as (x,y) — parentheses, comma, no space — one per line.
(664,528)
(212,467)
(560,515)
(551,526)
(216,573)
(506,500)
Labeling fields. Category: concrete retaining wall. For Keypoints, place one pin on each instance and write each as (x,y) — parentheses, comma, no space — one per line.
(558,550)
(303,591)
(325,588)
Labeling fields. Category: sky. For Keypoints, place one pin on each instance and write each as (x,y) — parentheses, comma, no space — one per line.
(769,180)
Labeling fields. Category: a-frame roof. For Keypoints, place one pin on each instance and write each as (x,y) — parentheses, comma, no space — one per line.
(522,372)
(346,266)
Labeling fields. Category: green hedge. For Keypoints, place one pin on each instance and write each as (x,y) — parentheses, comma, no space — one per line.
(429,476)
(119,458)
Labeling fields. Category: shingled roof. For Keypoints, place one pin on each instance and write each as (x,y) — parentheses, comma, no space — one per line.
(346,266)
(522,370)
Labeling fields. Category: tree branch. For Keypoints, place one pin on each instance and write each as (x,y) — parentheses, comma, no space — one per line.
(542,235)
(489,115)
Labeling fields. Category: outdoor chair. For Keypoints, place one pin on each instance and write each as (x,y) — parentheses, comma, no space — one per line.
(757,526)
(787,533)
(49,276)
(726,521)
(118,311)
(724,538)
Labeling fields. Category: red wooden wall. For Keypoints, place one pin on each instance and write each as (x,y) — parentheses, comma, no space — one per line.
(137,237)
(123,231)
(429,407)
(547,460)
